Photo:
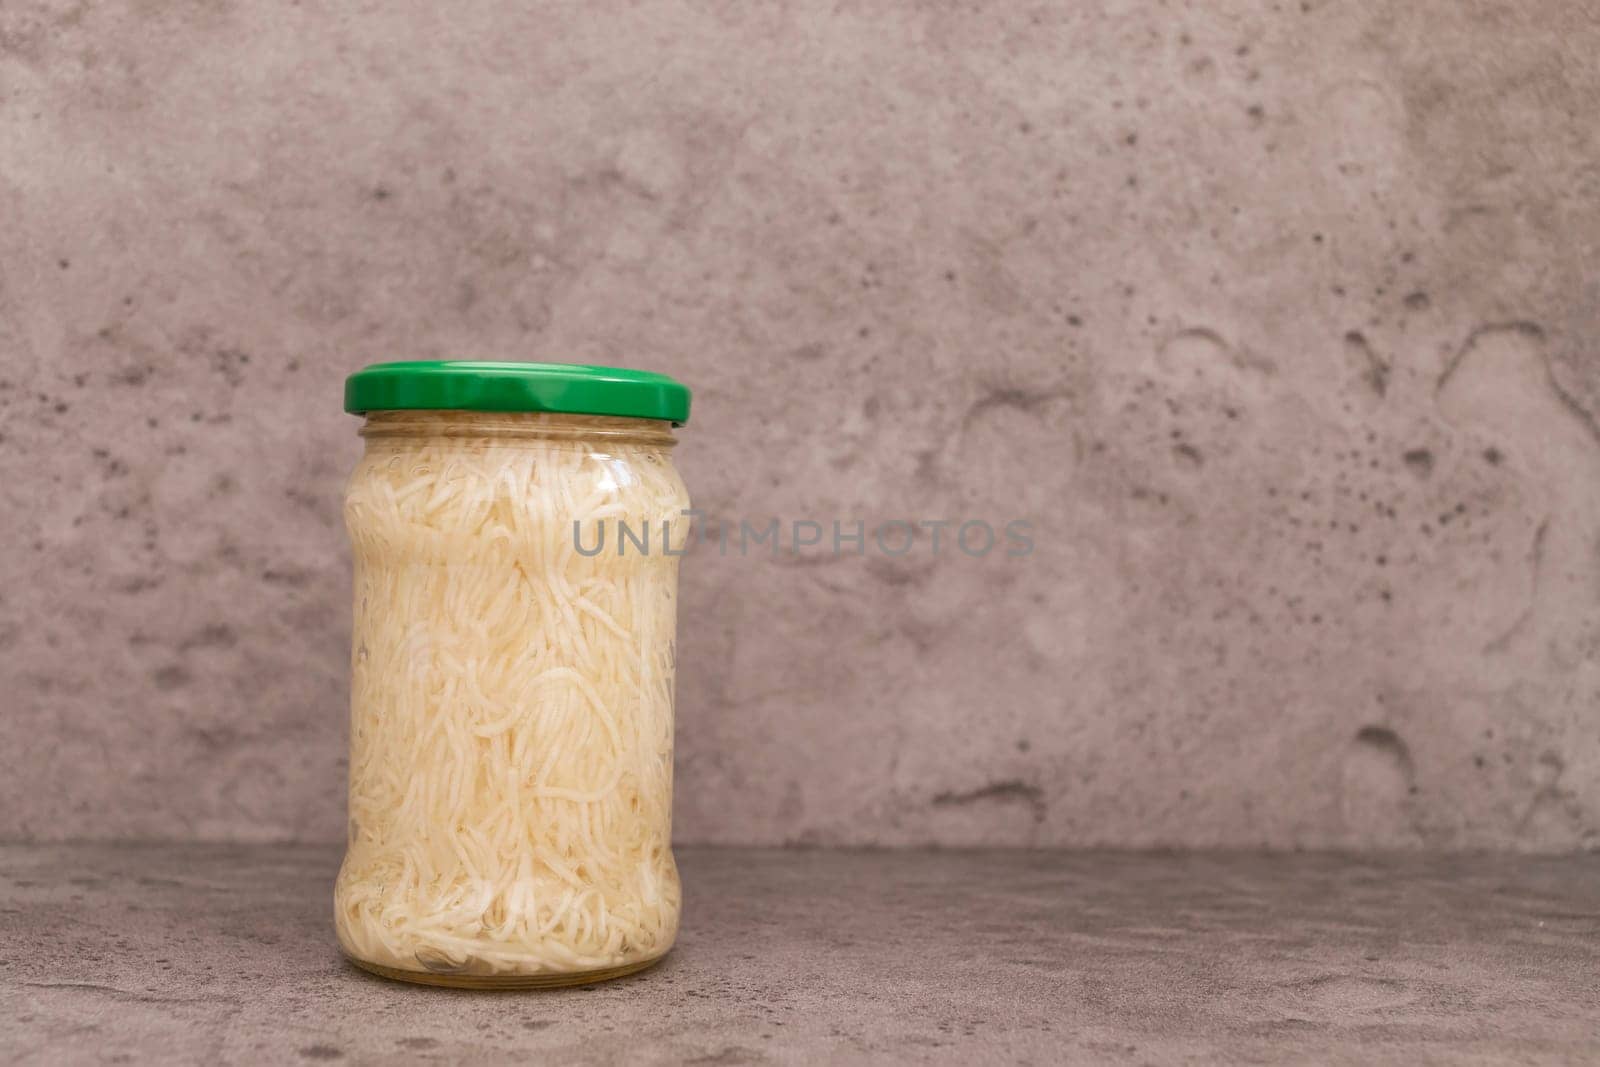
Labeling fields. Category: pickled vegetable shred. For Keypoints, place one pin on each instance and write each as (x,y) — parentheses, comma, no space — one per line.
(511,707)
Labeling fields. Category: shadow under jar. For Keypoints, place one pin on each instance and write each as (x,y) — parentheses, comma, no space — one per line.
(515,530)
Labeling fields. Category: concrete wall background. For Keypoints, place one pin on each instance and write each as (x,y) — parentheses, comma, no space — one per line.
(1278,320)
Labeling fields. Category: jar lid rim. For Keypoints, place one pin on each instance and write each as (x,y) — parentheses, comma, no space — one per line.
(476,385)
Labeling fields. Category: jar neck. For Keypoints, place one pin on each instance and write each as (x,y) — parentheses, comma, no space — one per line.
(517,425)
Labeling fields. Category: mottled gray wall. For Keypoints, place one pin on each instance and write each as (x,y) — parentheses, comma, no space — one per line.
(1277,320)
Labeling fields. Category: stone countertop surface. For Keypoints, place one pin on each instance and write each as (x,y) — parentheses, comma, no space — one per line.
(208,953)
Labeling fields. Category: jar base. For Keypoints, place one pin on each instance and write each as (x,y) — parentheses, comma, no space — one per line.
(506,982)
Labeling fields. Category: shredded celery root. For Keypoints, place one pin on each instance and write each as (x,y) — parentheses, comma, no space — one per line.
(511,702)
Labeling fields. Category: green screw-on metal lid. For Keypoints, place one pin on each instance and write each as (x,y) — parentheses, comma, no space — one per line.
(464,385)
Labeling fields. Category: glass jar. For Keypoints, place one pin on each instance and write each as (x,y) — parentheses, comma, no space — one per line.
(516,531)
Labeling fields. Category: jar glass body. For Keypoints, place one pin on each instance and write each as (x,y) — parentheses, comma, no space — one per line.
(512,672)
